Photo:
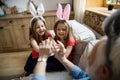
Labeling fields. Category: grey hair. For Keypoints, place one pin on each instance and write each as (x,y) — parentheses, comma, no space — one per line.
(115,58)
(111,27)
(112,30)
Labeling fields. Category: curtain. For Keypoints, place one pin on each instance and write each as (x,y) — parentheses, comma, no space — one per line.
(79,8)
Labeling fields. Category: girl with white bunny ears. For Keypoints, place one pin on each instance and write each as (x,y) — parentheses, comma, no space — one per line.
(38,33)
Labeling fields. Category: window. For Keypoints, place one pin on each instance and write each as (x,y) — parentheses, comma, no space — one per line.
(116,3)
(113,2)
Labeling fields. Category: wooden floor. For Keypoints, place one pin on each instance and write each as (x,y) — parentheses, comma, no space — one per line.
(12,64)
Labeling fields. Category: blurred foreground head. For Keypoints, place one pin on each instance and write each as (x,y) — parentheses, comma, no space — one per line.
(104,61)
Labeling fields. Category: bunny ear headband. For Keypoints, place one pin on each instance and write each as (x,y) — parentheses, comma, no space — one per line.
(36,12)
(63,15)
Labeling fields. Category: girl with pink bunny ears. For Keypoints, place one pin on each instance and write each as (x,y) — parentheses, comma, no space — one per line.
(63,30)
(64,34)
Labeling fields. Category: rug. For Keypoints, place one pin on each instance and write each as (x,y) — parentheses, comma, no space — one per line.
(63,75)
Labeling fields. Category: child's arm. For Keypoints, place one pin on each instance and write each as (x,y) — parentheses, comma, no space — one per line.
(69,47)
(68,51)
(34,44)
(40,67)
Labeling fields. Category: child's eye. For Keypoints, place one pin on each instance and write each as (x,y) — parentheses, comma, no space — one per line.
(42,26)
(64,29)
(37,27)
(58,29)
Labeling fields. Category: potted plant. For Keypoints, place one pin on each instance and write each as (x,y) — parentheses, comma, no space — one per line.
(2,9)
(110,4)
(110,7)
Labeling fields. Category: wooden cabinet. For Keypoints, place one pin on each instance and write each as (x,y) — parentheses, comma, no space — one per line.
(14,34)
(94,20)
(6,35)
(50,20)
(95,16)
(21,30)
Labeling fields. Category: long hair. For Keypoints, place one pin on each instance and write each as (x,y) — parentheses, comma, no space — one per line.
(69,32)
(33,32)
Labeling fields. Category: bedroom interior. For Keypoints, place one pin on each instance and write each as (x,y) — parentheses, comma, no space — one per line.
(14,29)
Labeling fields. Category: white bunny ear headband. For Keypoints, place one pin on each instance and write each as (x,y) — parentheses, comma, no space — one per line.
(36,12)
(63,14)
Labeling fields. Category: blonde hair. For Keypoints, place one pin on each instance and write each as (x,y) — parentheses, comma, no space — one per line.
(115,59)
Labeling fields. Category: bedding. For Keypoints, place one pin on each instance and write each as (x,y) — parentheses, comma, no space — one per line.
(81,32)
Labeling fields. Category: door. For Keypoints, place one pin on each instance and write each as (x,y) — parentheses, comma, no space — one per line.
(6,35)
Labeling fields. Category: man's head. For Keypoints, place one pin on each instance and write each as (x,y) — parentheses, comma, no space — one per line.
(103,63)
(97,65)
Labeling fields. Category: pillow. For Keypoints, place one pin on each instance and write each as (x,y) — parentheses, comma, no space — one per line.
(81,32)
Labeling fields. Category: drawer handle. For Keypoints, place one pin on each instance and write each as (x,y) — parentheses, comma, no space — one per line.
(22,26)
(10,21)
(1,27)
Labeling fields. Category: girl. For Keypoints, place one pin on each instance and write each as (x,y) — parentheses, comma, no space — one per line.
(38,33)
(64,34)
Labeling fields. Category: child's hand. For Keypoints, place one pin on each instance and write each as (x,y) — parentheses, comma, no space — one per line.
(59,50)
(53,43)
(45,48)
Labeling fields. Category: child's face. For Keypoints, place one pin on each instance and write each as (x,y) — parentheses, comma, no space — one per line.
(61,30)
(40,27)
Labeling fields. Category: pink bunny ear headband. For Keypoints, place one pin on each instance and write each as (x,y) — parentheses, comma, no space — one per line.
(63,15)
(36,12)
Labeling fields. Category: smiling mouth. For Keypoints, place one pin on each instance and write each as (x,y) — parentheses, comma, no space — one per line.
(41,32)
(61,35)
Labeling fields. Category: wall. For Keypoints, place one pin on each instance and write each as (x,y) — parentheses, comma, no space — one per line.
(94,3)
(22,4)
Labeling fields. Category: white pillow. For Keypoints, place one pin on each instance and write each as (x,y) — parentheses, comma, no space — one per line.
(81,32)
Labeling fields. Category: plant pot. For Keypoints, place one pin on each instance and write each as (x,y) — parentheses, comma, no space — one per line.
(110,7)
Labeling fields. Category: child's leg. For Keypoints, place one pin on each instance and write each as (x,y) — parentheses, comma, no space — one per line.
(54,65)
(30,64)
